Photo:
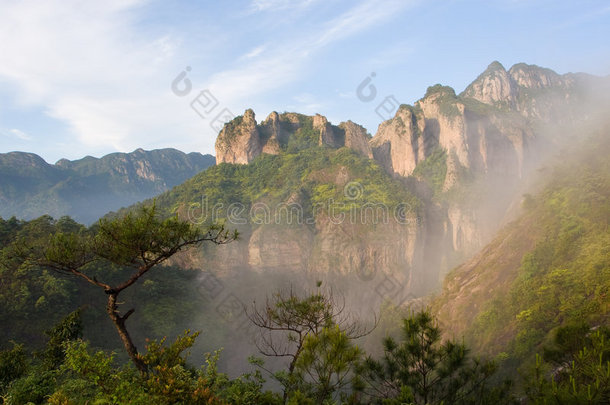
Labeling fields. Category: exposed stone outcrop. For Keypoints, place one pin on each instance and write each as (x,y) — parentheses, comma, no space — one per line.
(474,138)
(239,141)
(494,87)
(530,90)
(485,133)
(327,135)
(399,143)
(271,134)
(535,77)
(242,139)
(328,244)
(356,138)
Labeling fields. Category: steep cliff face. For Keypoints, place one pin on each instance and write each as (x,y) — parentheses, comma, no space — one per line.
(547,268)
(399,143)
(477,145)
(239,141)
(356,138)
(242,140)
(326,247)
(464,156)
(475,138)
(530,90)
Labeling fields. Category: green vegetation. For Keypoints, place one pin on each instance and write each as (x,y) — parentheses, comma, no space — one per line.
(133,244)
(309,175)
(33,299)
(422,369)
(574,370)
(548,270)
(445,98)
(304,138)
(311,331)
(330,369)
(433,170)
(327,366)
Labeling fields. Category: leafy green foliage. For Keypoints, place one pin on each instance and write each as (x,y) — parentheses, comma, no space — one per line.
(308,176)
(92,376)
(69,329)
(576,370)
(433,170)
(328,361)
(314,334)
(13,365)
(424,370)
(565,278)
(135,243)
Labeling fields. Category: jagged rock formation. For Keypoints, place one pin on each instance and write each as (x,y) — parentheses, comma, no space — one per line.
(356,138)
(485,134)
(528,89)
(463,155)
(399,143)
(486,128)
(242,139)
(239,141)
(494,87)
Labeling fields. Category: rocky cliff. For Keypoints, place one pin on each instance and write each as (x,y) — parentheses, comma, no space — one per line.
(243,139)
(464,157)
(488,135)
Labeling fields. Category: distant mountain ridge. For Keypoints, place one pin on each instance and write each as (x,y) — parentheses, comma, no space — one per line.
(87,188)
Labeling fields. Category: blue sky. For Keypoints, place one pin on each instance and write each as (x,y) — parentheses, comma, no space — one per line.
(88,77)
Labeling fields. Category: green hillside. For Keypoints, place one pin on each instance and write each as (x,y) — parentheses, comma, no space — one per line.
(548,269)
(311,177)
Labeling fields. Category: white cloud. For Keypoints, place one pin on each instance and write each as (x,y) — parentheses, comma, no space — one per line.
(20,134)
(360,18)
(95,67)
(254,52)
(285,61)
(89,65)
(280,5)
(15,133)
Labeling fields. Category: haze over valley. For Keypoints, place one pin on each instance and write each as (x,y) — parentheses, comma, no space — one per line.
(450,250)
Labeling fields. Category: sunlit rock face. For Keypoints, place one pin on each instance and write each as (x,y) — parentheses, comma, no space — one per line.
(243,139)
(478,146)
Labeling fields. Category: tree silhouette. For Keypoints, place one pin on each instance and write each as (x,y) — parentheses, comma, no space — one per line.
(133,243)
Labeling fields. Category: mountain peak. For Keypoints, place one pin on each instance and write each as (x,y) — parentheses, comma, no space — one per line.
(535,77)
(495,65)
(439,89)
(494,87)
